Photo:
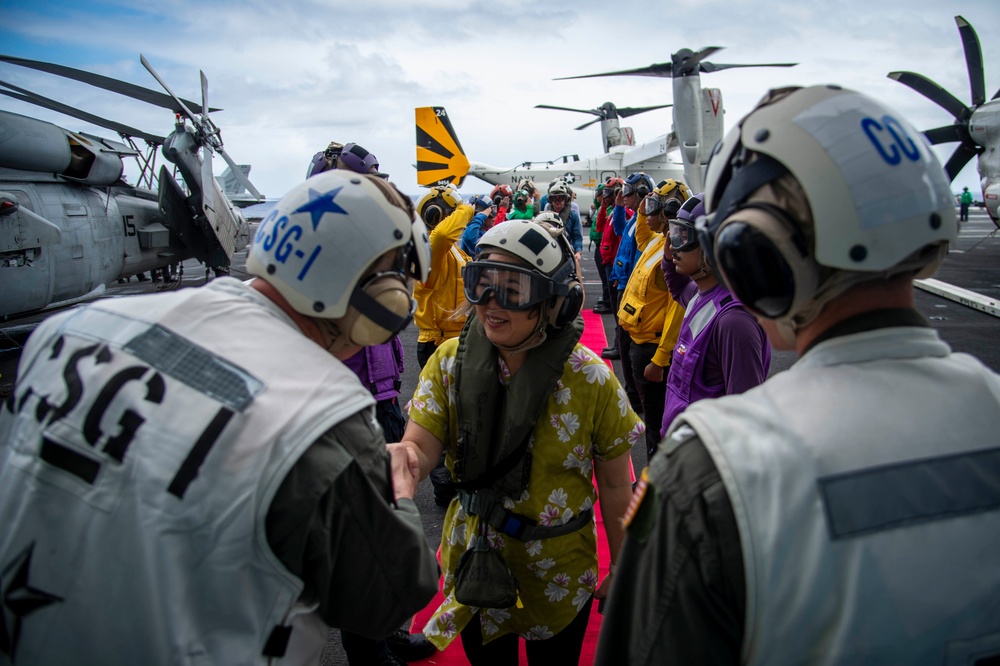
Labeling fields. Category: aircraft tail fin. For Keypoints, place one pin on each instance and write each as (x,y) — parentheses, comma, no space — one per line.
(231,185)
(440,158)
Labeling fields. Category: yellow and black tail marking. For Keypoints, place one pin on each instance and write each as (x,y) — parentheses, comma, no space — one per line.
(440,158)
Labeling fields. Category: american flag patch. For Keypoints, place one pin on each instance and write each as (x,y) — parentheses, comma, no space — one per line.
(638,493)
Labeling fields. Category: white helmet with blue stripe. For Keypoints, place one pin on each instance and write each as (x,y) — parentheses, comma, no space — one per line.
(319,245)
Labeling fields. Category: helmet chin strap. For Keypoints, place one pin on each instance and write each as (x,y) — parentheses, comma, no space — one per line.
(705,269)
(333,340)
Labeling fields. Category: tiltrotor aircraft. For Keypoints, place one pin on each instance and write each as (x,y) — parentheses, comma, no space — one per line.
(976,127)
(680,154)
(70,224)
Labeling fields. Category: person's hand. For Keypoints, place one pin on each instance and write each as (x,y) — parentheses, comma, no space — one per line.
(619,199)
(604,587)
(653,372)
(405,469)
(505,203)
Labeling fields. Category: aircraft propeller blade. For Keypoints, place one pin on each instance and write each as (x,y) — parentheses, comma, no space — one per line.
(945,134)
(595,112)
(635,110)
(588,123)
(98,81)
(686,62)
(973,60)
(709,67)
(683,63)
(931,91)
(606,111)
(32,98)
(184,107)
(659,69)
(959,159)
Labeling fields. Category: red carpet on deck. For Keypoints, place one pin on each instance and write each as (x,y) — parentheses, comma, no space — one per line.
(594,338)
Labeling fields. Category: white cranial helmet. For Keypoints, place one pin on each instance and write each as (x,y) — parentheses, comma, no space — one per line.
(819,188)
(321,240)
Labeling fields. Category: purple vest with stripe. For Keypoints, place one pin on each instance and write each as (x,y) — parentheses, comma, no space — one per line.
(685,381)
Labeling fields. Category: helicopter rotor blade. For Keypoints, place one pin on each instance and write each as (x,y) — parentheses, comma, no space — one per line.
(104,82)
(38,100)
(238,172)
(184,107)
(931,91)
(204,94)
(973,60)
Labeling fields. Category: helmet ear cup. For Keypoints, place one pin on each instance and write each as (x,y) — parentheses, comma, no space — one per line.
(386,310)
(433,214)
(571,305)
(763,258)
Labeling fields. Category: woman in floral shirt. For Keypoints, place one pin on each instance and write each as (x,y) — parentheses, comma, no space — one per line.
(518,368)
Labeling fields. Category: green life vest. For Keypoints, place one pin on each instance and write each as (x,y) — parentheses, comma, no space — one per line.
(495,420)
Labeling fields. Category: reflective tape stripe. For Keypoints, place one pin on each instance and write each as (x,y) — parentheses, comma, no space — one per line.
(884,498)
(199,368)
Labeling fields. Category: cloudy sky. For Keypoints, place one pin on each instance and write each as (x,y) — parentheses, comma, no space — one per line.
(293,76)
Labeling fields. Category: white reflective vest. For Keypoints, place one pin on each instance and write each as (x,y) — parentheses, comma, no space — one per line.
(139,455)
(865,482)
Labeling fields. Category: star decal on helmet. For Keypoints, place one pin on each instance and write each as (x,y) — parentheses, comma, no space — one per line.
(320,204)
(18,599)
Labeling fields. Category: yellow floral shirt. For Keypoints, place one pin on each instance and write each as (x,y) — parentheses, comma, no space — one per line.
(587,418)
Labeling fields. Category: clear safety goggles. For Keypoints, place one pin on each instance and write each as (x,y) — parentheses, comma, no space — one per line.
(639,189)
(654,204)
(558,197)
(513,287)
(682,237)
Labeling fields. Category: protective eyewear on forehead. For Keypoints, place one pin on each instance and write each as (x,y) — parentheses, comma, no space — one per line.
(682,237)
(513,287)
(653,205)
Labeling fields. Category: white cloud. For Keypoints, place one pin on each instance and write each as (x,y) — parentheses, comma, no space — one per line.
(293,76)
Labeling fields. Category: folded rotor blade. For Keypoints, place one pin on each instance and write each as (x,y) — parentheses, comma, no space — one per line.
(44,102)
(958,160)
(588,124)
(238,172)
(104,82)
(594,112)
(204,94)
(931,91)
(973,60)
(627,111)
(945,134)
(185,109)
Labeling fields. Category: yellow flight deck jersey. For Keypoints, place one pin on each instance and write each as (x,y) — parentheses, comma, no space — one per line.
(648,312)
(442,293)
